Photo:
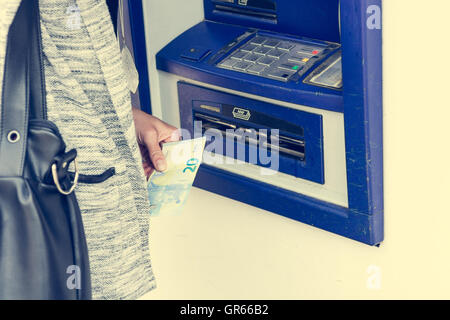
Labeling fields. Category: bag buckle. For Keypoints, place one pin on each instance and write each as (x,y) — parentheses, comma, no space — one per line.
(56,179)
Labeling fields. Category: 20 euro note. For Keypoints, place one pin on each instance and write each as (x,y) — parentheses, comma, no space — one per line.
(169,190)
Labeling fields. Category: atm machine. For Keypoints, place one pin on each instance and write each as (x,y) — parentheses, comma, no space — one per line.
(304,77)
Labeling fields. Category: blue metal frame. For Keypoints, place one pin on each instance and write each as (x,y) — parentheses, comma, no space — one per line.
(363,110)
(360,102)
(140,52)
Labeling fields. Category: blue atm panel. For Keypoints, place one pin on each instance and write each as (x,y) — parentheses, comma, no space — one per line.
(300,79)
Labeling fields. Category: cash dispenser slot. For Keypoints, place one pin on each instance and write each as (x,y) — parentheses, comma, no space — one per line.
(246,12)
(282,144)
(263,9)
(255,133)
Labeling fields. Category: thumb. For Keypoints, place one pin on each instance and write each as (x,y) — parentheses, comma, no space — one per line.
(155,152)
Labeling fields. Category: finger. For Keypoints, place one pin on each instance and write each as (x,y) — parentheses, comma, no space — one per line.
(155,152)
(175,136)
(148,172)
(144,154)
(148,169)
(147,166)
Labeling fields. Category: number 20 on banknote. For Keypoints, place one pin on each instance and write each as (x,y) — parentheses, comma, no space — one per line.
(191,165)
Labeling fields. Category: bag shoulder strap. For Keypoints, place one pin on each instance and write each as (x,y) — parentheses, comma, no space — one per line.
(38,104)
(22,87)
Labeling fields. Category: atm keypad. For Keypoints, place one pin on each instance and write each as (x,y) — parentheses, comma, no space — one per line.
(272,58)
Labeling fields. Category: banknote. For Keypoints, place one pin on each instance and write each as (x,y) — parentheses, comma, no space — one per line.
(169,190)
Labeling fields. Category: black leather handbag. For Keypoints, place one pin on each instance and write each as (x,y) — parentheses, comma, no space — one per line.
(43,251)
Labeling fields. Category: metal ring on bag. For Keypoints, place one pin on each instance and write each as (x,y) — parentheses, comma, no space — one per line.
(13,136)
(56,180)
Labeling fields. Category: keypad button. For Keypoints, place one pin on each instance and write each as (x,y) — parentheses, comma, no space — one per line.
(256,69)
(299,57)
(242,66)
(271,43)
(228,63)
(309,50)
(279,74)
(267,61)
(275,53)
(258,40)
(262,50)
(290,66)
(295,60)
(286,46)
(252,57)
(249,47)
(238,55)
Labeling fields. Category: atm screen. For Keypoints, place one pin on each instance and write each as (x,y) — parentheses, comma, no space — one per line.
(329,74)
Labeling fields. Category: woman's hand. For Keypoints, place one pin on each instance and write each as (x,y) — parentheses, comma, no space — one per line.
(151,133)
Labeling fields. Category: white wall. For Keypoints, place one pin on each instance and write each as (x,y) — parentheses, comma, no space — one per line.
(165,20)
(218,248)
